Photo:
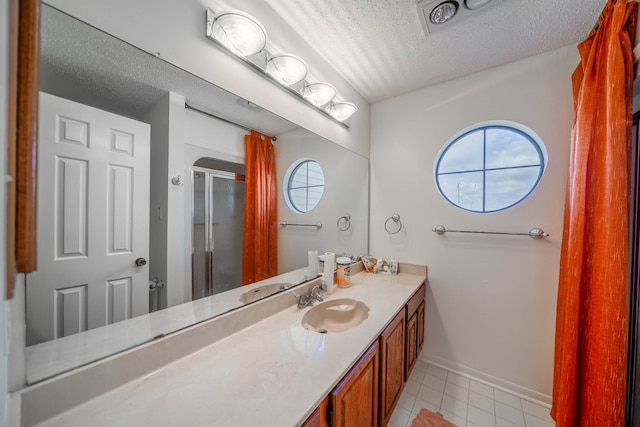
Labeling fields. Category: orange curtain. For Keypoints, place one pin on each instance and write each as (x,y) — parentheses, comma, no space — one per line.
(259,242)
(591,327)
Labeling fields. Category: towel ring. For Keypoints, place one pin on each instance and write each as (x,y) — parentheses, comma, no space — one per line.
(345,220)
(396,219)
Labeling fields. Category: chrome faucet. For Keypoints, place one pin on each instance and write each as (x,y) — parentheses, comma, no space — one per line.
(308,300)
(317,295)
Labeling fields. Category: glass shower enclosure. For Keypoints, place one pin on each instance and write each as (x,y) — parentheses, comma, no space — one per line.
(217,223)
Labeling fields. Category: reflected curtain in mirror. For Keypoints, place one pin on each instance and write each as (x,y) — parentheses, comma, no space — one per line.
(259,245)
(591,326)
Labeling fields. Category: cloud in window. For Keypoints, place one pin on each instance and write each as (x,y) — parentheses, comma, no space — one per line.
(489,169)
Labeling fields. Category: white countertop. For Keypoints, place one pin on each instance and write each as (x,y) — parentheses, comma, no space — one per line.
(273,373)
(54,357)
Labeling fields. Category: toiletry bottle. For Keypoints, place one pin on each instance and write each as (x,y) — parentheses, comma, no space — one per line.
(343,277)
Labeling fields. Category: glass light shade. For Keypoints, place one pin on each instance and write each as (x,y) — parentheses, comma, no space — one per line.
(239,32)
(341,111)
(287,69)
(319,93)
(443,12)
(475,4)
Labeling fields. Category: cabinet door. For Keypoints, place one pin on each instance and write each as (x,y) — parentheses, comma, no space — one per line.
(391,367)
(420,327)
(412,345)
(318,418)
(355,398)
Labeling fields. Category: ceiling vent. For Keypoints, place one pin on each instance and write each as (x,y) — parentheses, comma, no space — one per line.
(436,15)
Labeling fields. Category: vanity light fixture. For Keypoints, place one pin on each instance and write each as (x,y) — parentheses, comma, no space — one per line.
(319,94)
(239,32)
(241,35)
(286,69)
(341,111)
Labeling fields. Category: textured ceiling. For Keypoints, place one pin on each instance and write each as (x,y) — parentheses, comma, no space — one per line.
(380,49)
(84,64)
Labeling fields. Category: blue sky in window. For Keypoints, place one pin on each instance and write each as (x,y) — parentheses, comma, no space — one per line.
(463,189)
(502,188)
(464,155)
(507,149)
(508,186)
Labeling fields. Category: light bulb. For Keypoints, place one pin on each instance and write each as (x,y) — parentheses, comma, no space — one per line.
(286,69)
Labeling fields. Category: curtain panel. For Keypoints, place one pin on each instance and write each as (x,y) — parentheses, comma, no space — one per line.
(259,243)
(592,312)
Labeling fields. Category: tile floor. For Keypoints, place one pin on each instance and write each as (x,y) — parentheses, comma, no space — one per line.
(464,402)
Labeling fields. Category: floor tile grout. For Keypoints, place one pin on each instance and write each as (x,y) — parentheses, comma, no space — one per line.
(509,413)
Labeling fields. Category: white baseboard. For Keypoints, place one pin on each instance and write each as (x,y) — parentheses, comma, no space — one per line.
(490,380)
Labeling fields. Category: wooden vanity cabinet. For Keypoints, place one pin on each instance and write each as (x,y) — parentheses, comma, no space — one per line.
(318,418)
(414,329)
(420,331)
(411,352)
(370,391)
(391,366)
(354,401)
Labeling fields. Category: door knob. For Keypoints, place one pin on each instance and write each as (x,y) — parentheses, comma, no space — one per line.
(140,262)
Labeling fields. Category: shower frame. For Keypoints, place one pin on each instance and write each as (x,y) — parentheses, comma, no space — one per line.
(209,241)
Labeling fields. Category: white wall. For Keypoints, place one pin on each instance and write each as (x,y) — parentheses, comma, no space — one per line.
(204,137)
(166,214)
(346,191)
(220,140)
(176,199)
(176,31)
(491,299)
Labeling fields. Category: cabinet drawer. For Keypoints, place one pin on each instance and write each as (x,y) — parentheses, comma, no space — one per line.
(415,301)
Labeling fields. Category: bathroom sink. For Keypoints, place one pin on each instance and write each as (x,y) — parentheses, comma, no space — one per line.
(335,316)
(263,291)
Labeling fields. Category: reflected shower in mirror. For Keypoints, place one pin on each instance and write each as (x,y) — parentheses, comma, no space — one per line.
(217,220)
(108,74)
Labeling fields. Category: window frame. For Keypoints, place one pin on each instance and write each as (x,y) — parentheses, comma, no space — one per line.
(286,185)
(515,127)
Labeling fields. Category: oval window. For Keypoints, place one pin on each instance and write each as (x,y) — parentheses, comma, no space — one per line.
(304,185)
(490,166)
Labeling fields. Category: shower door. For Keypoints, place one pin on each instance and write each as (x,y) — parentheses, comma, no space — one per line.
(217,223)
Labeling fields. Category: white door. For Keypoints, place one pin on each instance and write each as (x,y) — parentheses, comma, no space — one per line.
(93,220)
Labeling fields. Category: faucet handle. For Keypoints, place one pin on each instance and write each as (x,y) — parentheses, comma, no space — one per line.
(303,301)
(317,296)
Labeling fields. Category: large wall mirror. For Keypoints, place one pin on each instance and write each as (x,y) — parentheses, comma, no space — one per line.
(92,82)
